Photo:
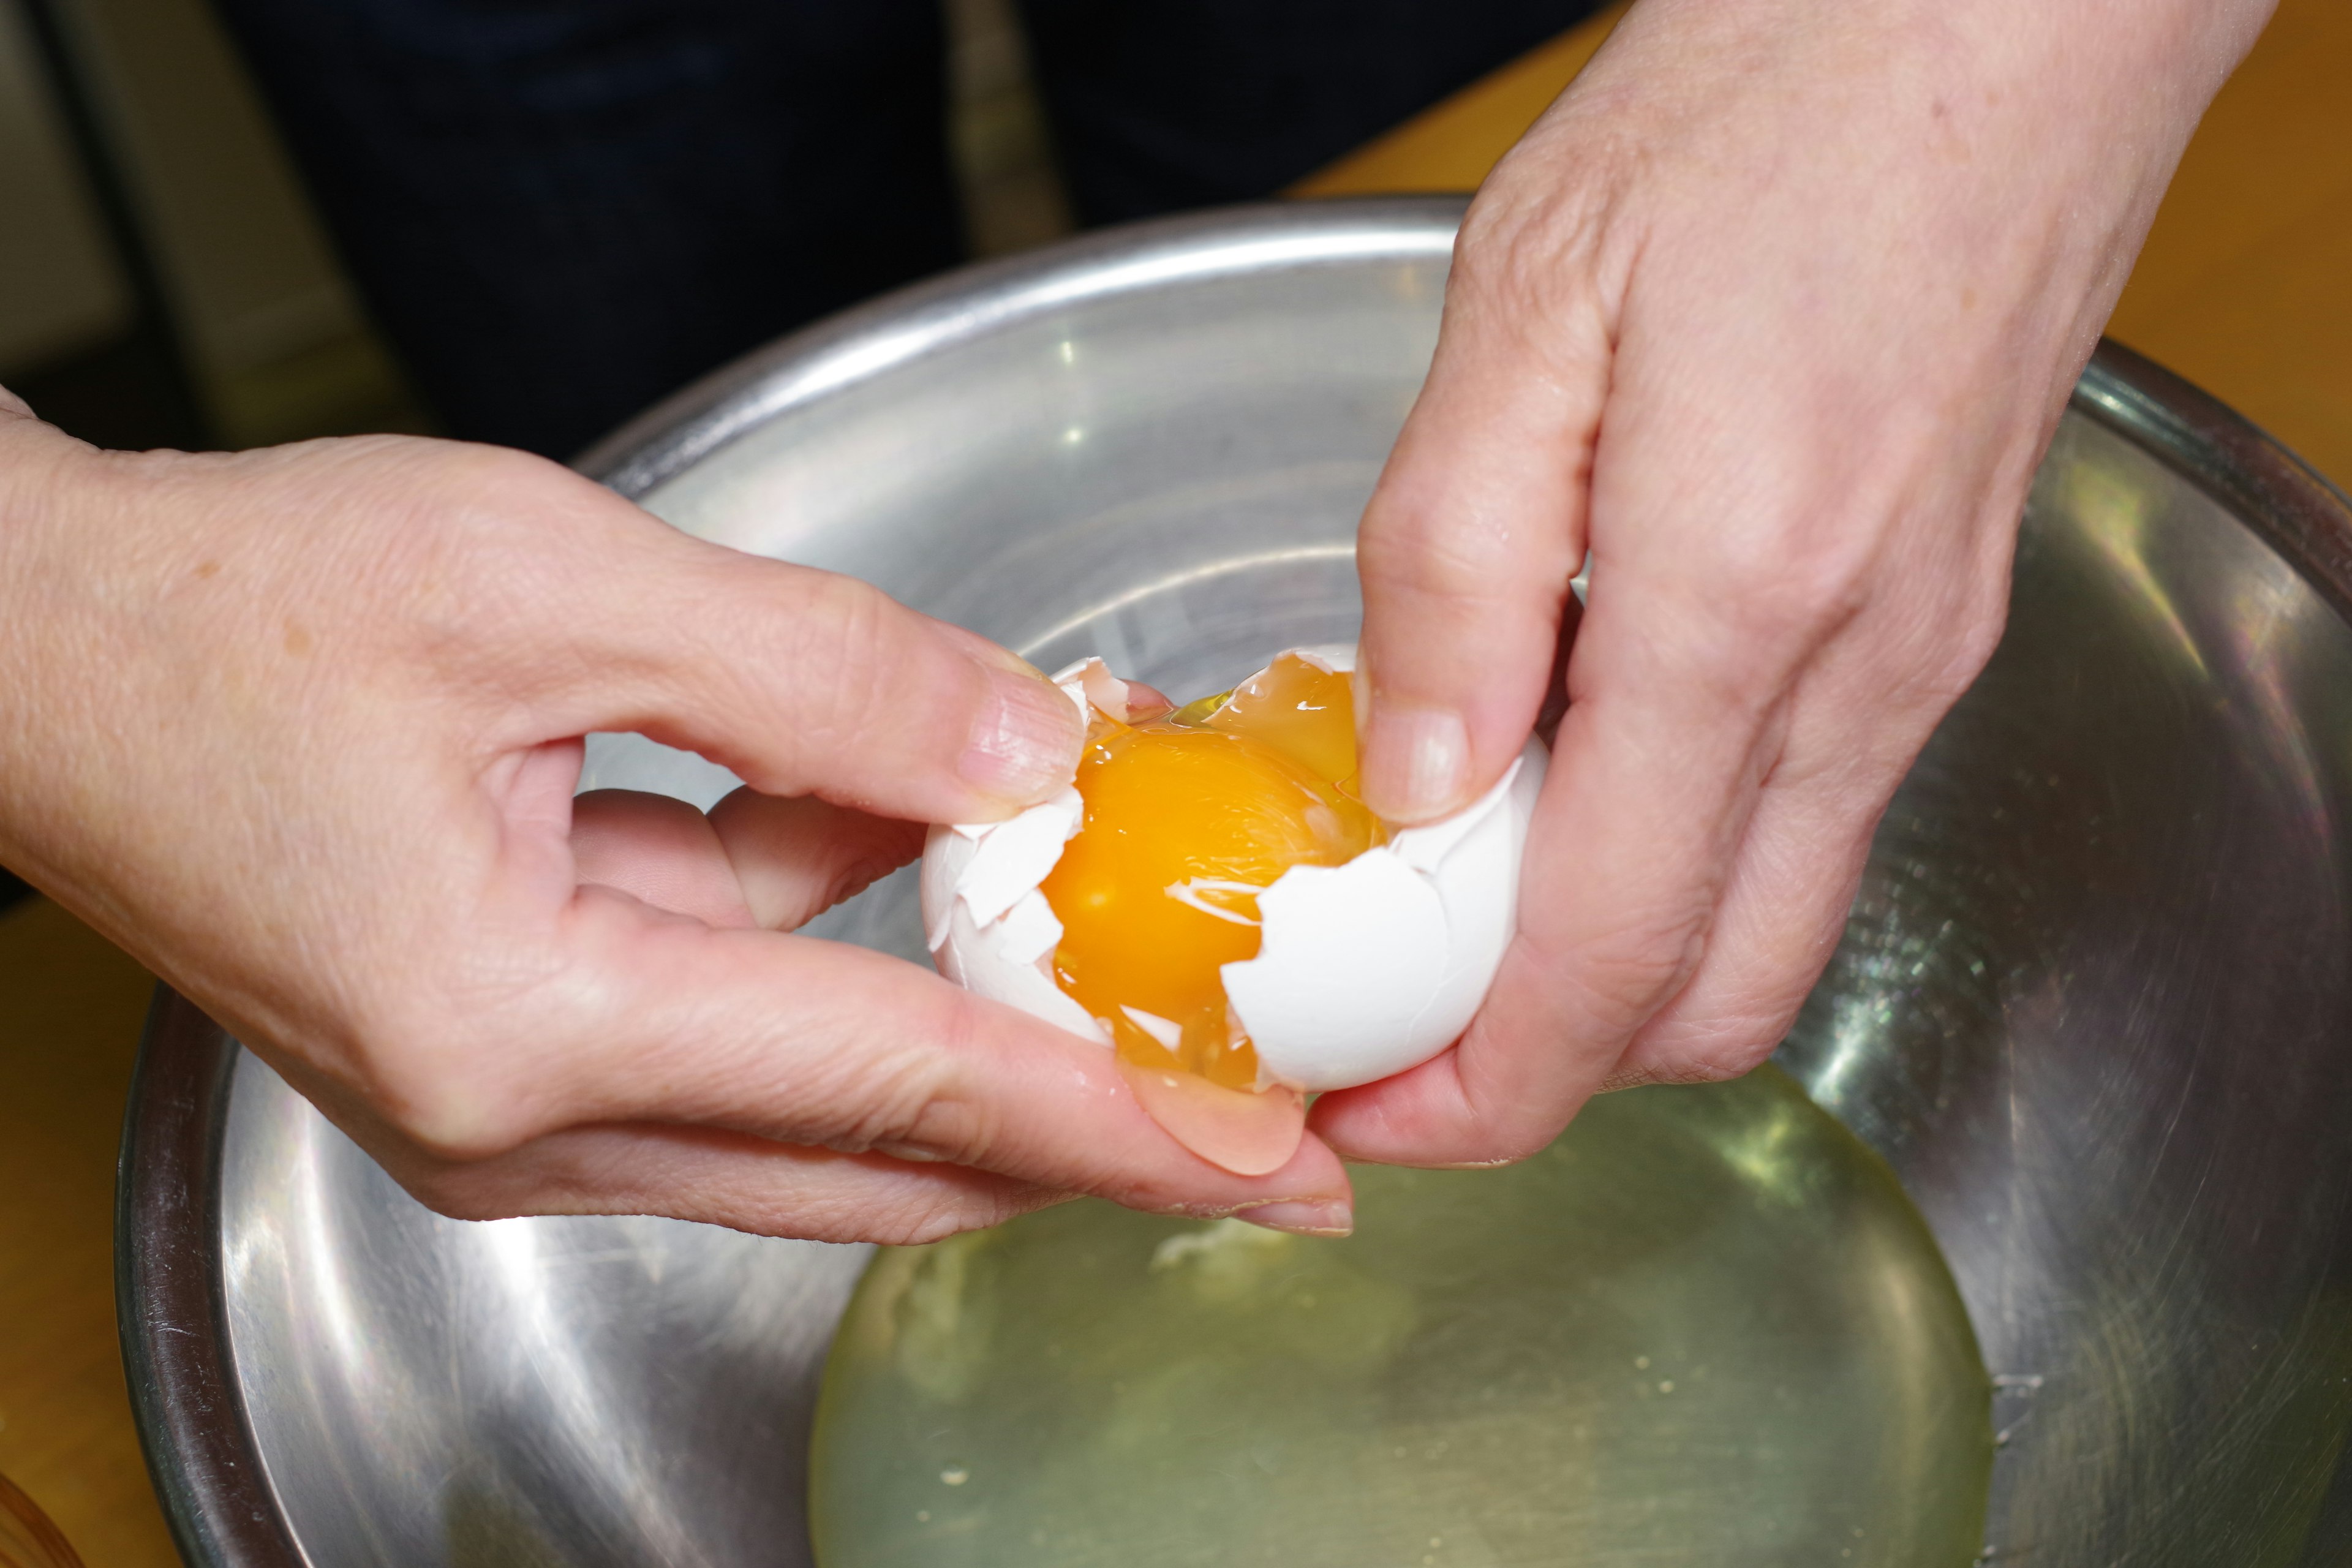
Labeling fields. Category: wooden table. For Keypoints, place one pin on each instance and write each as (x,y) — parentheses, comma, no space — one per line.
(2243,288)
(70,1008)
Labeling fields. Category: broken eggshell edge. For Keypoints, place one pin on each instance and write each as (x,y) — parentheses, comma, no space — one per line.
(1367,969)
(1364,970)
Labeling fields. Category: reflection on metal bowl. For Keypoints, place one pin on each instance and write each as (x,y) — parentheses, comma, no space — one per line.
(2094,1003)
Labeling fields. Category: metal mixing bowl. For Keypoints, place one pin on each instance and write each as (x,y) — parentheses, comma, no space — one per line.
(2093,1004)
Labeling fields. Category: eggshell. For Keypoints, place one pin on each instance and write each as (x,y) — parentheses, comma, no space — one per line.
(1377,927)
(988,927)
(1364,970)
(1367,969)
(1007,860)
(1090,682)
(989,960)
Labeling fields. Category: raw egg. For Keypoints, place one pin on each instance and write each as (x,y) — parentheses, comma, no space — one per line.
(1211,899)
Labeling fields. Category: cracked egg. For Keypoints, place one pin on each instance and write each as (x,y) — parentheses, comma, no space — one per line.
(1209,898)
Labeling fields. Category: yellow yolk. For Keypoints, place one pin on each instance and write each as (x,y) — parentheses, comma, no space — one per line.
(1188,818)
(1306,714)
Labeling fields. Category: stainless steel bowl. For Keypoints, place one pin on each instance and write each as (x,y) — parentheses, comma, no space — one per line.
(2095,1002)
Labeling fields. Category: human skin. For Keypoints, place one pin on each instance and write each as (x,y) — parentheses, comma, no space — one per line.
(1775,313)
(300,728)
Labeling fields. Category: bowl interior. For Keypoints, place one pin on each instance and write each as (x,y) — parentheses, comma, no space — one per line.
(2092,1005)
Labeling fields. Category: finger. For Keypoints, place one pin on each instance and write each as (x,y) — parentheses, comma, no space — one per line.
(1857,724)
(806,682)
(1658,764)
(754,861)
(1467,547)
(801,681)
(1780,919)
(654,1017)
(719,1178)
(795,859)
(1694,854)
(658,849)
(1145,702)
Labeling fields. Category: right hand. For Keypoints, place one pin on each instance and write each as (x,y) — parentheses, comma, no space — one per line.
(300,728)
(1773,316)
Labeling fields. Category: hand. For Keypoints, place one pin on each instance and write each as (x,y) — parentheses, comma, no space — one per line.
(300,730)
(1775,311)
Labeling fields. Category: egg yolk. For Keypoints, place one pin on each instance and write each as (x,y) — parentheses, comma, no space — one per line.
(1188,818)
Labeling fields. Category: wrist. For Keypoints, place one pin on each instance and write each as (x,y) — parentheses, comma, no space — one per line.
(48,484)
(1994,150)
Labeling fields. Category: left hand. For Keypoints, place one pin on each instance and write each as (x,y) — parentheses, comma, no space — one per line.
(300,728)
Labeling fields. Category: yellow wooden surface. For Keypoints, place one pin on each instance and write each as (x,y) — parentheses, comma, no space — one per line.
(70,1008)
(2246,287)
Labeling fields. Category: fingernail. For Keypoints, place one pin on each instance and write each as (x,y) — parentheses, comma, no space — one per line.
(1296,1219)
(1026,744)
(1416,760)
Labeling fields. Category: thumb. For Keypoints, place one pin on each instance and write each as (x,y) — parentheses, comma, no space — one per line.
(1466,549)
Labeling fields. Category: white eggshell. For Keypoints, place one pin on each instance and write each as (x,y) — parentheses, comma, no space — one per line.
(988,927)
(1349,958)
(1090,682)
(982,960)
(1167,1031)
(1370,968)
(1012,858)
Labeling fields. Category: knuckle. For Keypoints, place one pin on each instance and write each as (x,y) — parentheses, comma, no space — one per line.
(906,1100)
(1925,657)
(1969,647)
(450,1112)
(444,1081)
(474,504)
(1525,242)
(1626,977)
(1797,589)
(1415,548)
(1716,1039)
(948,1127)
(492,485)
(843,655)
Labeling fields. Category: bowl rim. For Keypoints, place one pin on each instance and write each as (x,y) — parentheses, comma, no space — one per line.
(170,1276)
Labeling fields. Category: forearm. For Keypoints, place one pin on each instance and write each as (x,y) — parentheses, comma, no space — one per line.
(2068,116)
(2141,68)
